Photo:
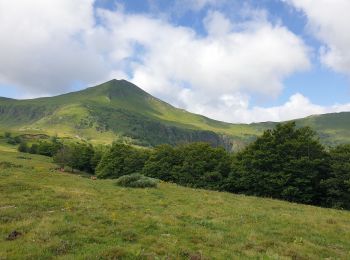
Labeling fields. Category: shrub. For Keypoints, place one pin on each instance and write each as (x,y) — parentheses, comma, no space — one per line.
(136,181)
(48,148)
(23,147)
(11,140)
(18,139)
(34,149)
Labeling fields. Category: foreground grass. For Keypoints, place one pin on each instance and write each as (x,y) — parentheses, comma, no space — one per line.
(67,216)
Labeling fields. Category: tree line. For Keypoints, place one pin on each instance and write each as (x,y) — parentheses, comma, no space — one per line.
(287,163)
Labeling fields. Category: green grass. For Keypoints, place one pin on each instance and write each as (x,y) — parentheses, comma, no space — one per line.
(62,215)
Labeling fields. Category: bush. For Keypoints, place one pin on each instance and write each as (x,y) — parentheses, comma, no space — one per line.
(48,148)
(34,149)
(23,147)
(11,140)
(136,181)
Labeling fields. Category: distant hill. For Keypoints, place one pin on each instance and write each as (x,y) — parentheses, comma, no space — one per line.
(120,110)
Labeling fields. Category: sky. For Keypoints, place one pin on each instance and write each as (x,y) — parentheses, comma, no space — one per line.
(238,61)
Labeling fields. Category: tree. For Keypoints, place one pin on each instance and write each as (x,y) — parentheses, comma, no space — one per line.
(203,166)
(75,155)
(33,149)
(63,157)
(161,163)
(18,139)
(338,183)
(49,148)
(81,154)
(286,163)
(23,147)
(99,151)
(196,165)
(121,160)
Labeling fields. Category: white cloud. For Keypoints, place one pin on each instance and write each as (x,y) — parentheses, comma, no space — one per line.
(255,59)
(329,21)
(237,109)
(252,57)
(297,106)
(42,46)
(45,47)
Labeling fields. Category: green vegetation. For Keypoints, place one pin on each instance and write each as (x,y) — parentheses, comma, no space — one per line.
(284,163)
(120,111)
(121,160)
(75,155)
(196,165)
(287,163)
(61,215)
(338,184)
(136,181)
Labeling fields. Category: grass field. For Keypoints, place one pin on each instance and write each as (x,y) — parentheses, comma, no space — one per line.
(62,215)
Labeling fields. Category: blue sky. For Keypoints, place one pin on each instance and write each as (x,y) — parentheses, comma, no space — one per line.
(236,61)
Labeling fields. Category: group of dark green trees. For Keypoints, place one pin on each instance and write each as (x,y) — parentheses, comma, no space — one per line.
(286,163)
(76,156)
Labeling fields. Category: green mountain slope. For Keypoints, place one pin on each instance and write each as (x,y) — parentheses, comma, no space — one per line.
(118,109)
(65,216)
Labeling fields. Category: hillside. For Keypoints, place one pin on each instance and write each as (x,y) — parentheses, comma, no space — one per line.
(118,109)
(67,216)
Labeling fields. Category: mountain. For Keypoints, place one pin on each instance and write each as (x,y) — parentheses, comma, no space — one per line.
(118,109)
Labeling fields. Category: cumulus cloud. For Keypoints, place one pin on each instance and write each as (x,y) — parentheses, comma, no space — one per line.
(329,21)
(255,58)
(193,71)
(298,106)
(42,46)
(46,47)
(237,109)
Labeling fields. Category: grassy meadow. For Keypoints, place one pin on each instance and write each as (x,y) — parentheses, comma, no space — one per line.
(70,216)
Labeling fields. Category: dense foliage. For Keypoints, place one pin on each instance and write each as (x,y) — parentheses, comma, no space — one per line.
(136,180)
(121,160)
(77,156)
(337,184)
(47,148)
(286,163)
(196,164)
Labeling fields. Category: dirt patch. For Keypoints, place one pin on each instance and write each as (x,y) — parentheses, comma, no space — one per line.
(14,235)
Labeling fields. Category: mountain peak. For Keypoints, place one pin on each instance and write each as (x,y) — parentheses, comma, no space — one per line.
(122,88)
